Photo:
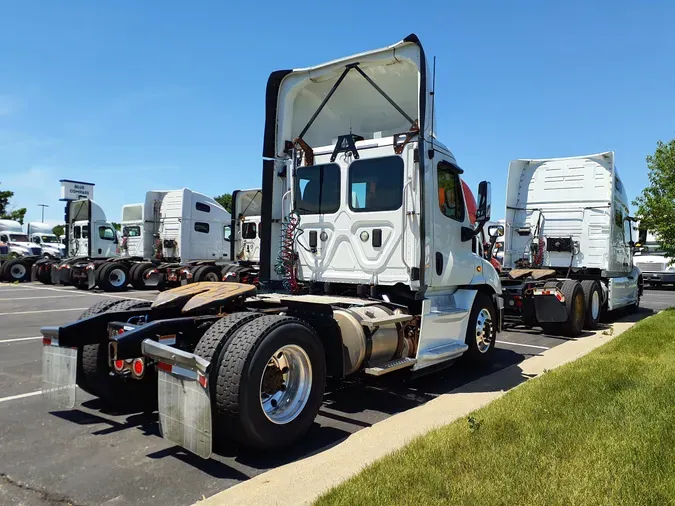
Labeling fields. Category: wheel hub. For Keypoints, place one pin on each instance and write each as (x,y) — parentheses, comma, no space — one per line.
(286,384)
(484,330)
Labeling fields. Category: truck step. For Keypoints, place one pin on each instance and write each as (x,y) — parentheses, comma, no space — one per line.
(445,352)
(386,320)
(394,365)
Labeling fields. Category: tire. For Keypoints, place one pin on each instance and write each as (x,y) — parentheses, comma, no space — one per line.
(214,343)
(239,408)
(114,277)
(44,274)
(575,304)
(593,300)
(137,272)
(94,371)
(211,274)
(17,270)
(482,321)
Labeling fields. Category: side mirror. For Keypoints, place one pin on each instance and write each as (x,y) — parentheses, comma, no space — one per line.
(484,202)
(495,230)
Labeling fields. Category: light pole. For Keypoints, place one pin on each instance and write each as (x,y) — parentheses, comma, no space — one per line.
(43,211)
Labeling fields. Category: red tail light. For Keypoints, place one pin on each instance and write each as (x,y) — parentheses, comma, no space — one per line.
(138,366)
(119,365)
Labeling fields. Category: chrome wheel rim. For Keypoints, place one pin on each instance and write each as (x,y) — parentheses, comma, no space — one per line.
(484,330)
(117,278)
(595,305)
(18,271)
(286,384)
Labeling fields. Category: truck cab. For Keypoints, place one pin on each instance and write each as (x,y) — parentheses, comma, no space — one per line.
(19,243)
(131,241)
(649,257)
(42,235)
(246,226)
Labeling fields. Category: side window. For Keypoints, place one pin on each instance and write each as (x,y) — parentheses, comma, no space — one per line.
(248,230)
(627,231)
(36,239)
(450,198)
(201,227)
(77,233)
(618,218)
(106,233)
(227,232)
(203,207)
(4,238)
(618,185)
(85,232)
(317,189)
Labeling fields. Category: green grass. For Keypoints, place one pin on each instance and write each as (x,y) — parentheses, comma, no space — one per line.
(600,430)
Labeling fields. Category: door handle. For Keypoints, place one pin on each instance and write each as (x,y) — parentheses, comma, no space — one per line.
(439,263)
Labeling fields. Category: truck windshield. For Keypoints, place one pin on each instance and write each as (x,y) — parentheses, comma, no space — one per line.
(651,248)
(18,238)
(50,239)
(317,189)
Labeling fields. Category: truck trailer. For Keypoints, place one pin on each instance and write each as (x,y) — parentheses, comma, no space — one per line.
(568,250)
(367,267)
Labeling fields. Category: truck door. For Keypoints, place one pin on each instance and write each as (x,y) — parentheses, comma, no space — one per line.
(104,240)
(452,260)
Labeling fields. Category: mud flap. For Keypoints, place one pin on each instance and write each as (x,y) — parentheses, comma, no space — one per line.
(59,374)
(91,278)
(33,272)
(183,398)
(185,410)
(152,279)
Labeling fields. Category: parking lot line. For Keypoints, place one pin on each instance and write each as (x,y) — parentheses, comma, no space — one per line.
(524,345)
(16,339)
(45,311)
(73,291)
(20,396)
(43,297)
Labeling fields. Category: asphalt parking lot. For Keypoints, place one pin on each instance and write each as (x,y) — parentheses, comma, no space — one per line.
(88,456)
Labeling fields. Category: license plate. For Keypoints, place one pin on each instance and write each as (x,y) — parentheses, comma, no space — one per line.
(59,376)
(185,411)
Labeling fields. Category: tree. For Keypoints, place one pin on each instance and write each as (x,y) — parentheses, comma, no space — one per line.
(656,204)
(225,200)
(5,213)
(117,226)
(59,231)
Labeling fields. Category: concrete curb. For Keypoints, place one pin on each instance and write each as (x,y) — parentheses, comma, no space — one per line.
(303,481)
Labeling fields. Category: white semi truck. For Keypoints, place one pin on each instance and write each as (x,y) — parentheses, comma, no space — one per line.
(657,269)
(42,235)
(21,253)
(568,243)
(366,267)
(172,231)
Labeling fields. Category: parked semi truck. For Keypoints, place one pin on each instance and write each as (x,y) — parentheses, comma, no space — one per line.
(366,267)
(42,235)
(657,269)
(90,237)
(172,230)
(568,245)
(21,254)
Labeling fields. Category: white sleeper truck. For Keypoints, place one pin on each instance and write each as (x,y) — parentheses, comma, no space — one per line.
(172,232)
(21,253)
(568,243)
(42,235)
(366,267)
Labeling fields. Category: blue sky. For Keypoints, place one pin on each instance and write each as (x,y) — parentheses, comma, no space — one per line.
(135,96)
